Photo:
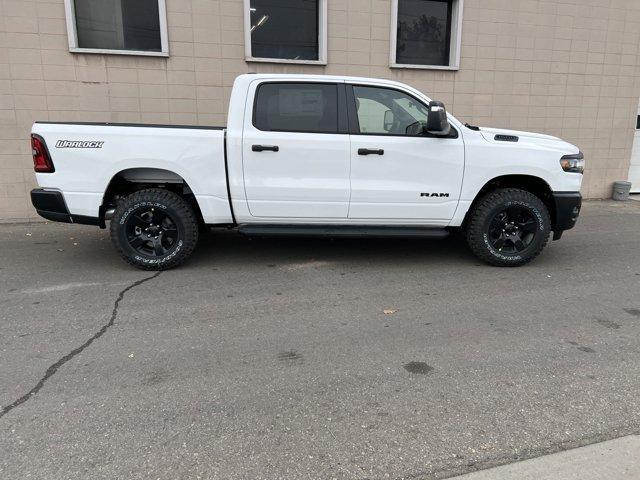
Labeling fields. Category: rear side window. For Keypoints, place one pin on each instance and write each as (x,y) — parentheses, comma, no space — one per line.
(296,107)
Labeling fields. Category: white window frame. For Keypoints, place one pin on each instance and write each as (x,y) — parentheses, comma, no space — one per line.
(322,38)
(72,33)
(456,39)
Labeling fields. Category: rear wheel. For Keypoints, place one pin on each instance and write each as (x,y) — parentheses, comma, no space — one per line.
(508,227)
(154,229)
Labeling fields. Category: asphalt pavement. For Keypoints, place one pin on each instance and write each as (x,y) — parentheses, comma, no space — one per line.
(313,358)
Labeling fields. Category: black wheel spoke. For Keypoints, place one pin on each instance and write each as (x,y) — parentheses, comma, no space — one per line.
(529,226)
(168,226)
(514,213)
(170,235)
(141,221)
(157,216)
(499,243)
(496,224)
(137,242)
(519,244)
(158,249)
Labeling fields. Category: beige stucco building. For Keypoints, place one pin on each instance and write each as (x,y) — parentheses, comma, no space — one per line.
(566,67)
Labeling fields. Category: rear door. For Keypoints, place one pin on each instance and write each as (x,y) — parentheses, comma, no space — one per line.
(295,150)
(397,177)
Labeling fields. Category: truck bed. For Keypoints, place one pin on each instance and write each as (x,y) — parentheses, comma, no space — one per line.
(87,156)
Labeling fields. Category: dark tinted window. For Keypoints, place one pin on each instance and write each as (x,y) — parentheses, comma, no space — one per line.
(285,29)
(424,32)
(297,107)
(118,24)
(638,123)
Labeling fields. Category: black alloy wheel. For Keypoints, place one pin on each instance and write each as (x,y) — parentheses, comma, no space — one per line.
(151,231)
(513,229)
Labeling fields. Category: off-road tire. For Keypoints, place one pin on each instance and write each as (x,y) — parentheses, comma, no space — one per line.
(484,212)
(169,204)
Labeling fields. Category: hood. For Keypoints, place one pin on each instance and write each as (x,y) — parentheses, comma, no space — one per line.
(527,139)
(490,133)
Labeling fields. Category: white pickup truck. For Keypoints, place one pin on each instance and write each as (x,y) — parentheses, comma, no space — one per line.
(310,155)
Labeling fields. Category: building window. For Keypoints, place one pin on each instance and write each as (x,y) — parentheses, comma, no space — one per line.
(426,34)
(286,31)
(297,107)
(128,27)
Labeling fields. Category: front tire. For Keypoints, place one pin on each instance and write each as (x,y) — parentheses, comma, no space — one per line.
(154,229)
(508,228)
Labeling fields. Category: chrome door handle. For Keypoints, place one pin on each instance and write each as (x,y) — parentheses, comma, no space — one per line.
(370,151)
(263,148)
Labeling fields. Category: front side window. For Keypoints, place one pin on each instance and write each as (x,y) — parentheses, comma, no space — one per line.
(384,111)
(426,33)
(296,107)
(286,30)
(117,26)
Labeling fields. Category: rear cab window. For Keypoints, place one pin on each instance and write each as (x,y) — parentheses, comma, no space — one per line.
(298,107)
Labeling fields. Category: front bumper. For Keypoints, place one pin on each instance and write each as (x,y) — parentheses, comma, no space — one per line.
(568,205)
(50,204)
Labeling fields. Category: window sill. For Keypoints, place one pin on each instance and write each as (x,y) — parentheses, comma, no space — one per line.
(284,60)
(105,51)
(451,68)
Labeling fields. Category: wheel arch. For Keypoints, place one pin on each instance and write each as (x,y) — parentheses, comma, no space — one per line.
(130,180)
(530,183)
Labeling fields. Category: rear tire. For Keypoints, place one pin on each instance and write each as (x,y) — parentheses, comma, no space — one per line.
(508,227)
(154,229)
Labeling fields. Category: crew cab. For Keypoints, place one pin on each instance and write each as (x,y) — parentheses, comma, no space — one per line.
(310,155)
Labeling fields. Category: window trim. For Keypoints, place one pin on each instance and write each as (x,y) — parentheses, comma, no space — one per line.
(72,34)
(322,38)
(354,122)
(455,43)
(341,98)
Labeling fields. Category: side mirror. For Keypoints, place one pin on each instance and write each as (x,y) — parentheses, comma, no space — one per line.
(437,123)
(389,120)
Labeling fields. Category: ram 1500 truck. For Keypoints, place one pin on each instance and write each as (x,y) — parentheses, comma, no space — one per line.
(310,155)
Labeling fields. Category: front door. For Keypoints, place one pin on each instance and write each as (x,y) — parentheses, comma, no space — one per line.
(295,151)
(397,176)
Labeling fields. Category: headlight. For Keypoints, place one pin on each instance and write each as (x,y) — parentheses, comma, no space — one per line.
(573,163)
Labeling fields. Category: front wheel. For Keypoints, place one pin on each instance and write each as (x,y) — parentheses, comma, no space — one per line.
(508,227)
(154,229)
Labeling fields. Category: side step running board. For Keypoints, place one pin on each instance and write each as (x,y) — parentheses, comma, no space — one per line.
(341,231)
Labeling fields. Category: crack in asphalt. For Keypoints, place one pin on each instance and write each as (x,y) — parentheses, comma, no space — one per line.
(54,367)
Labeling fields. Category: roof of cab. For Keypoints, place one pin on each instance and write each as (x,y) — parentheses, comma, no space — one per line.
(249,77)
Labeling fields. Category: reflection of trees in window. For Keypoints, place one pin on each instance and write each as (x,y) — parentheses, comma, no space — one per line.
(423,33)
(118,24)
(423,29)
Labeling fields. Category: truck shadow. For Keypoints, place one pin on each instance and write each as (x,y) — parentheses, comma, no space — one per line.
(228,247)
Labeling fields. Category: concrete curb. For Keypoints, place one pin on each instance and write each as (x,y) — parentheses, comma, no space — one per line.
(617,459)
